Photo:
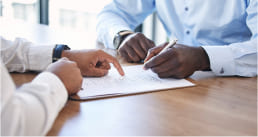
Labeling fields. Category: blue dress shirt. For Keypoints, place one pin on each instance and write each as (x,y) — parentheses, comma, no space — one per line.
(226,29)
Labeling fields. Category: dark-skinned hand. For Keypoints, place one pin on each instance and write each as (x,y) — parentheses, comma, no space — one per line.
(179,62)
(135,47)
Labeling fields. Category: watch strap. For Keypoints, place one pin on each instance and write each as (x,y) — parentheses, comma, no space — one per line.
(126,32)
(120,36)
(57,52)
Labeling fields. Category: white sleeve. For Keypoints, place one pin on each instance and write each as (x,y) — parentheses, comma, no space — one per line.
(31,109)
(21,55)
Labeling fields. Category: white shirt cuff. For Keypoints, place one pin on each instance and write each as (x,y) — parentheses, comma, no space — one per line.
(39,57)
(221,60)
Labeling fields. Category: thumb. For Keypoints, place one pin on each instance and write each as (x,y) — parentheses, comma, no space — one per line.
(153,52)
(97,72)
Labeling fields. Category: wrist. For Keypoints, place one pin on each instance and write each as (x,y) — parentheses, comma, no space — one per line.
(65,53)
(120,37)
(58,51)
(204,60)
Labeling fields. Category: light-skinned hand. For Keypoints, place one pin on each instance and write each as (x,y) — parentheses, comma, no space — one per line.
(93,62)
(69,73)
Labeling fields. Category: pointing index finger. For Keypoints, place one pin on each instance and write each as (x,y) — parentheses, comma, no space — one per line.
(114,61)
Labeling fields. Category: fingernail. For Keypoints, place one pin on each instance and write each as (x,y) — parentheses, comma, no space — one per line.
(122,74)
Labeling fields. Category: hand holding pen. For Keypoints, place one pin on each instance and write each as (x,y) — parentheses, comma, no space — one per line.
(159,51)
(181,61)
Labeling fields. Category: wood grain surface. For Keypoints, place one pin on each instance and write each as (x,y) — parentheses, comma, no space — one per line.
(216,106)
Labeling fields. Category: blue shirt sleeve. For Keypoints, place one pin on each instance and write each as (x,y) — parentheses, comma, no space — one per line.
(237,58)
(227,30)
(117,16)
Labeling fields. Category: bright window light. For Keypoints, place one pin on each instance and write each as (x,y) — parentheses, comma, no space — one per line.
(26,10)
(76,15)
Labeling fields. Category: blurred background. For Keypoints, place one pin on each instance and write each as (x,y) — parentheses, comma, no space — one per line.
(72,15)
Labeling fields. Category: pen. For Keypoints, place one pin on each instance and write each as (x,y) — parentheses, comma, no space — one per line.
(169,45)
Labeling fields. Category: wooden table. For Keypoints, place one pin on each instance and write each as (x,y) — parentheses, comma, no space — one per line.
(216,106)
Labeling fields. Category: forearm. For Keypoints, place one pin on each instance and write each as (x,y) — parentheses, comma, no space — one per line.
(21,55)
(108,25)
(33,108)
(122,15)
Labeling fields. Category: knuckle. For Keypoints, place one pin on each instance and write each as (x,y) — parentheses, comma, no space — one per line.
(180,62)
(140,35)
(132,39)
(121,50)
(144,45)
(134,47)
(151,43)
(132,44)
(127,46)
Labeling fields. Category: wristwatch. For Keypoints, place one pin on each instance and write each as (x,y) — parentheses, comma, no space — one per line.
(120,36)
(57,52)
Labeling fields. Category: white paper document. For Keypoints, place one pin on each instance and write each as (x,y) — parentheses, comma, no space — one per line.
(136,80)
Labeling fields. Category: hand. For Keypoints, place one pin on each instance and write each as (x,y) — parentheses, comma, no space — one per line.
(135,47)
(178,62)
(154,51)
(93,63)
(69,74)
